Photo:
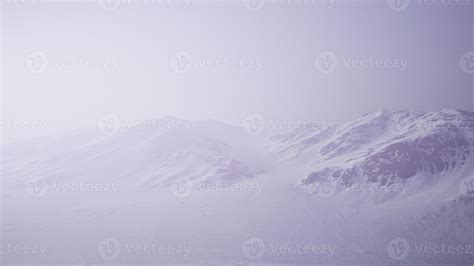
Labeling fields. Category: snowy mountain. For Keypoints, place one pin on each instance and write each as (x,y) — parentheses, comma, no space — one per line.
(393,148)
(293,142)
(137,157)
(385,149)
(387,176)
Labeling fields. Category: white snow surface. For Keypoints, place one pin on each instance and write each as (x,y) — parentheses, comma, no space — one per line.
(353,187)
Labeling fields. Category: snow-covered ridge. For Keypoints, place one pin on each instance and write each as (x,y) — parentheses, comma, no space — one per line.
(385,148)
(390,148)
(141,157)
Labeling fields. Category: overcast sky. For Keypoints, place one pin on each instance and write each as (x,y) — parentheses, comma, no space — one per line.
(128,58)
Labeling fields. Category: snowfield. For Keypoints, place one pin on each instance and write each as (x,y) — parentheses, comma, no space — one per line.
(393,187)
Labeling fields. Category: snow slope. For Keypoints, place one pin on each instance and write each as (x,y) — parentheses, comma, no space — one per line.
(387,176)
(421,150)
(135,157)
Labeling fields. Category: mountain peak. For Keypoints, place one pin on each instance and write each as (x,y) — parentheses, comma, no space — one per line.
(455,112)
(392,112)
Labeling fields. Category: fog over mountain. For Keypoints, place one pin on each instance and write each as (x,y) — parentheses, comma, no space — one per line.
(243,132)
(167,183)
